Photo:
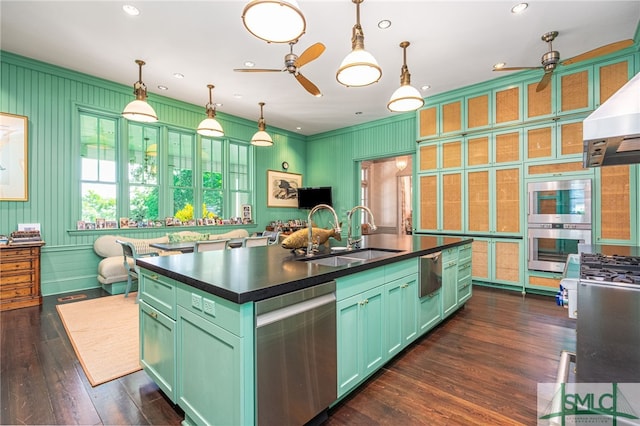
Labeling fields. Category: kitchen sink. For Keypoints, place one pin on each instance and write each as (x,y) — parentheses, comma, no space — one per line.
(350,257)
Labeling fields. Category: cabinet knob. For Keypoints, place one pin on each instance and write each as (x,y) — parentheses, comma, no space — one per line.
(404,286)
(153,315)
(154,276)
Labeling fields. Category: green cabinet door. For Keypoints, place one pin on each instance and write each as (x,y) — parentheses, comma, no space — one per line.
(209,375)
(449,281)
(158,348)
(360,337)
(430,313)
(402,313)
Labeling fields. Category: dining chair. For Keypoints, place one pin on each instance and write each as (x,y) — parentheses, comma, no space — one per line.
(274,237)
(131,253)
(255,241)
(210,245)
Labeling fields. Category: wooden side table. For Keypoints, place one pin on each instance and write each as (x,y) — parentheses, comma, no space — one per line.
(20,275)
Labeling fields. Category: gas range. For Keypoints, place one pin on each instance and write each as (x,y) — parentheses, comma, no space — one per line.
(610,268)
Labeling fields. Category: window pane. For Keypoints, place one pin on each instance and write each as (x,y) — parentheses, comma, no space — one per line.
(213,202)
(143,154)
(143,202)
(181,165)
(236,202)
(238,167)
(98,201)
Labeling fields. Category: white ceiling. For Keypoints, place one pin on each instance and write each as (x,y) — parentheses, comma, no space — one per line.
(453,44)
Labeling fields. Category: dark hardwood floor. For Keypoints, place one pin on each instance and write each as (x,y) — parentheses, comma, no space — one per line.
(481,366)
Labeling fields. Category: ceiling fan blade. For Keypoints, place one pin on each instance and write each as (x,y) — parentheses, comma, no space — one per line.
(516,68)
(310,54)
(256,70)
(603,50)
(309,86)
(546,78)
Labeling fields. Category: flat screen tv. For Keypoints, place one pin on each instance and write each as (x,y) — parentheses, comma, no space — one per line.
(308,198)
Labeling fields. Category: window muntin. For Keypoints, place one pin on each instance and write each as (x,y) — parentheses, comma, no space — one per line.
(143,172)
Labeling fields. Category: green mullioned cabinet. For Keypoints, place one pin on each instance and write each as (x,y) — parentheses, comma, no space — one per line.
(157,330)
(215,359)
(401,291)
(464,273)
(498,260)
(449,281)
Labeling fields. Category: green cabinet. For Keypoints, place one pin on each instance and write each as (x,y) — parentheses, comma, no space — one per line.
(361,337)
(430,311)
(449,281)
(464,274)
(402,313)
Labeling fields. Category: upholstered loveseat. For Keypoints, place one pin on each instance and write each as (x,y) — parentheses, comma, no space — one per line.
(111,272)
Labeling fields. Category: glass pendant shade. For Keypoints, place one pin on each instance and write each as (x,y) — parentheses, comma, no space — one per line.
(359,68)
(261,137)
(405,98)
(274,21)
(210,126)
(139,109)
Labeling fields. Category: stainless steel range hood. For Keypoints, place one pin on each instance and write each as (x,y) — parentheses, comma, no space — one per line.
(611,133)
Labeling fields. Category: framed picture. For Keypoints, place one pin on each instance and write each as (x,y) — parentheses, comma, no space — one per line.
(14,170)
(282,189)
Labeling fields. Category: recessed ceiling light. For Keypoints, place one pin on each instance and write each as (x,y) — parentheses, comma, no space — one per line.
(178,75)
(358,112)
(298,128)
(219,104)
(425,87)
(384,24)
(499,65)
(249,64)
(161,87)
(130,10)
(519,8)
(237,95)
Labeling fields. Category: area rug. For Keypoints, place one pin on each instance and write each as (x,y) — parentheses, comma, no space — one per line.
(104,334)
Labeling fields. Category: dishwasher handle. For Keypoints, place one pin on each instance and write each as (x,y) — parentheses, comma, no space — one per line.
(293,310)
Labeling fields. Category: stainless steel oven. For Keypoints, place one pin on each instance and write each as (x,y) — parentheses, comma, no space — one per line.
(560,201)
(550,243)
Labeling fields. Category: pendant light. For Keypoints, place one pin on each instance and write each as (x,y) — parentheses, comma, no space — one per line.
(210,126)
(406,97)
(359,68)
(139,109)
(274,21)
(261,138)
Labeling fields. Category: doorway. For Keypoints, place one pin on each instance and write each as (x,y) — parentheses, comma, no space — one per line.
(386,188)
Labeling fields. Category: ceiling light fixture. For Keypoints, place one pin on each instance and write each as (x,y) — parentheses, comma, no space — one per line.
(384,24)
(519,8)
(261,138)
(499,65)
(161,87)
(425,87)
(178,75)
(210,126)
(139,109)
(131,10)
(406,97)
(274,21)
(359,68)
(401,163)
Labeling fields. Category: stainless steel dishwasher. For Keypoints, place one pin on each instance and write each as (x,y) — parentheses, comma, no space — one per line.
(430,273)
(296,355)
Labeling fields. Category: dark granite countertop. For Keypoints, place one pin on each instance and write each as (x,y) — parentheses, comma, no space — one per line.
(250,274)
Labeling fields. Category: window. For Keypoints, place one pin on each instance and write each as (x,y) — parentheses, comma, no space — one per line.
(160,172)
(98,167)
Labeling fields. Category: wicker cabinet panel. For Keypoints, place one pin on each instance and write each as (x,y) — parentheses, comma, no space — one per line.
(612,77)
(478,201)
(480,259)
(508,105)
(19,276)
(571,138)
(428,157)
(538,103)
(508,200)
(452,155)
(574,91)
(478,151)
(452,117)
(555,168)
(507,147)
(615,205)
(452,201)
(429,202)
(478,112)
(507,261)
(539,142)
(428,122)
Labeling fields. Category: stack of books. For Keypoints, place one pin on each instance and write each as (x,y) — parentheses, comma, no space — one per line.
(18,237)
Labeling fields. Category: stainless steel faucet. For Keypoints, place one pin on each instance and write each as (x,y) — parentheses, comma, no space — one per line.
(336,225)
(351,242)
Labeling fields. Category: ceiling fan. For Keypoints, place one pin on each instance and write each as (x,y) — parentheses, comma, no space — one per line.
(293,62)
(551,59)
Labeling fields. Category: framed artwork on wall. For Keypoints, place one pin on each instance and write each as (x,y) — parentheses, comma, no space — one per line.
(282,189)
(14,171)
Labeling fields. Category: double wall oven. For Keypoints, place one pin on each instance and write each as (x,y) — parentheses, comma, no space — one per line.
(558,219)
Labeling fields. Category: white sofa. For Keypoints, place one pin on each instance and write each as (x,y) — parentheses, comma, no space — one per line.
(111,272)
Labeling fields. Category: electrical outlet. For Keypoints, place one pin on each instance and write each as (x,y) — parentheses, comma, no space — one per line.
(196,301)
(209,307)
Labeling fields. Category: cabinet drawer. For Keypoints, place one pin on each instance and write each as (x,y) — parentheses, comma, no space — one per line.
(464,253)
(11,254)
(359,282)
(400,269)
(10,280)
(214,309)
(17,265)
(16,291)
(159,292)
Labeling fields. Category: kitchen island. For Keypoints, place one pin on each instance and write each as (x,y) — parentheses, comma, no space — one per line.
(198,315)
